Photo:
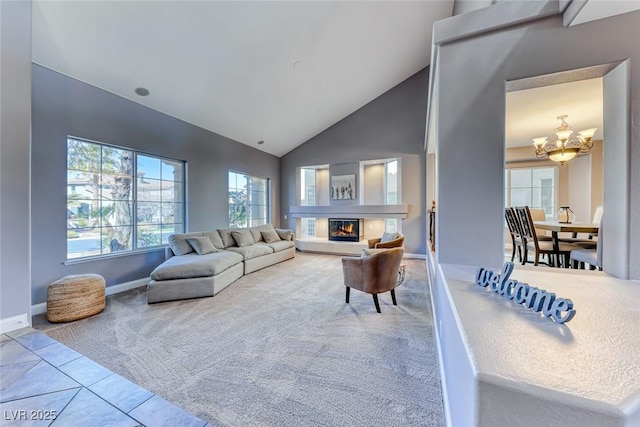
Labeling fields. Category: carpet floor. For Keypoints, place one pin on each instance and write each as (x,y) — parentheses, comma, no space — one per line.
(279,347)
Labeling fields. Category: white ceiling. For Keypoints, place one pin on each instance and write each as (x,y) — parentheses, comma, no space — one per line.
(281,72)
(532,113)
(599,9)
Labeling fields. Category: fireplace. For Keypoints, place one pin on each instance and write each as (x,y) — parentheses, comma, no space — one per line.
(346,230)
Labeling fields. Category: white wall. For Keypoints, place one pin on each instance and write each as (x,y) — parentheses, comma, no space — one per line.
(580,187)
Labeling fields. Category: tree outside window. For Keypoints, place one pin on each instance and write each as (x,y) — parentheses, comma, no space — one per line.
(108,210)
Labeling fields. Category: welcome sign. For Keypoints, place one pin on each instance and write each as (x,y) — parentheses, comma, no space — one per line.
(559,309)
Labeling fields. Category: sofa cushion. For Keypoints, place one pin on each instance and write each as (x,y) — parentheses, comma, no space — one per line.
(202,245)
(178,242)
(214,236)
(193,265)
(242,238)
(285,234)
(281,245)
(252,251)
(270,236)
(257,230)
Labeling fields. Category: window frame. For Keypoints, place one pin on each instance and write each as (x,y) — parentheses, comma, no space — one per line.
(135,248)
(556,184)
(267,186)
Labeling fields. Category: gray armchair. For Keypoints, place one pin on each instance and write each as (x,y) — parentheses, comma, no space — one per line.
(375,272)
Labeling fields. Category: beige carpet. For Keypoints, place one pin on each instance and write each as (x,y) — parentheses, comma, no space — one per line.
(279,347)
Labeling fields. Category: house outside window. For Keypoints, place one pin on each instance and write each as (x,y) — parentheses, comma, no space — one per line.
(248,200)
(535,187)
(108,211)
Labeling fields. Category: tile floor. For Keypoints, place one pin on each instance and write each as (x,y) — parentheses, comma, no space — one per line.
(44,383)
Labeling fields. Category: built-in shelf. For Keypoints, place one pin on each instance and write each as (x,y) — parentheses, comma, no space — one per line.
(349,211)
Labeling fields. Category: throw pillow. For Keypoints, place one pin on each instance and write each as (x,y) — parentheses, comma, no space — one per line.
(215,238)
(270,236)
(225,236)
(387,237)
(202,245)
(284,234)
(178,243)
(367,251)
(242,237)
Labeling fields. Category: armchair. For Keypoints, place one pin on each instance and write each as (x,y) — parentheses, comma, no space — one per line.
(388,240)
(374,272)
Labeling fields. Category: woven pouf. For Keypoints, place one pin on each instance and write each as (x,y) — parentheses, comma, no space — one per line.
(75,297)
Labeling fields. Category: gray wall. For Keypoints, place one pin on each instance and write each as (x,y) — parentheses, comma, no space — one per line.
(15,122)
(470,125)
(63,106)
(391,125)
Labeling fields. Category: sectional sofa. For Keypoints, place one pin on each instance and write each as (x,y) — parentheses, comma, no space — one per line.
(201,264)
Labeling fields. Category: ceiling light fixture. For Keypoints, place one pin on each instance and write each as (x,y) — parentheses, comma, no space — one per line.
(563,145)
(142,91)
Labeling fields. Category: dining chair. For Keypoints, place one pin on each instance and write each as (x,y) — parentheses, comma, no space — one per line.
(517,243)
(588,243)
(539,215)
(593,257)
(541,247)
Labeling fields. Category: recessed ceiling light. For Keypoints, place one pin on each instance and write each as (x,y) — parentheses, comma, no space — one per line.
(260,142)
(142,91)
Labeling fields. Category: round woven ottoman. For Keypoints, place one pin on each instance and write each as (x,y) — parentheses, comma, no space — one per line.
(75,297)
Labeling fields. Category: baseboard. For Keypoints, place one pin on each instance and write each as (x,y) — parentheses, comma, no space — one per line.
(415,256)
(110,290)
(12,323)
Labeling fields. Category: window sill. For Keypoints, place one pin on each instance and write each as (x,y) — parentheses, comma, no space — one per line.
(113,255)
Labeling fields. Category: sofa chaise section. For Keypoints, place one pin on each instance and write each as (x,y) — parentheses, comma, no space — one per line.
(193,276)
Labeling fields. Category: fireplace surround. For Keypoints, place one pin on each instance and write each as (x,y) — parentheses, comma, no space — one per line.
(346,229)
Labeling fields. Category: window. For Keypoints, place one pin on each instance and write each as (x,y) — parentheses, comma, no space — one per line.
(308,198)
(534,187)
(109,211)
(391,192)
(248,200)
(391,182)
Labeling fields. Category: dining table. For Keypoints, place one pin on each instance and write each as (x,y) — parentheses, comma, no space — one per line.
(569,227)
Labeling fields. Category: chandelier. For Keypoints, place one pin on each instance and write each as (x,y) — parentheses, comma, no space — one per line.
(564,146)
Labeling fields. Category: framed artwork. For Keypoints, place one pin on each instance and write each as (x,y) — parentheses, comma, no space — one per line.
(343,187)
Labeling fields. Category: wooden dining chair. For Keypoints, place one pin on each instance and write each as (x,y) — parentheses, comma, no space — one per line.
(539,215)
(541,247)
(517,243)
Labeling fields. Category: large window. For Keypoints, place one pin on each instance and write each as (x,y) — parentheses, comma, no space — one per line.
(248,200)
(109,211)
(534,187)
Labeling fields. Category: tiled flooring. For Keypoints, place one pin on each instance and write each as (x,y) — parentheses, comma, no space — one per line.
(44,383)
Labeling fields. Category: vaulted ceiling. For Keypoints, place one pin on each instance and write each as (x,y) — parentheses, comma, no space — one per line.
(278,72)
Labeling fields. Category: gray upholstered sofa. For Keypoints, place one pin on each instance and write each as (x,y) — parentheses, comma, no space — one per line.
(201,264)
